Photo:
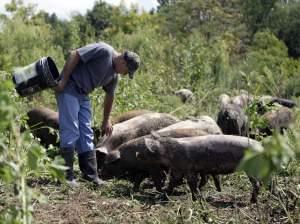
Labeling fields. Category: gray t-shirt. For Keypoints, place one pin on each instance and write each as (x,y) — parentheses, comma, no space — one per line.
(95,68)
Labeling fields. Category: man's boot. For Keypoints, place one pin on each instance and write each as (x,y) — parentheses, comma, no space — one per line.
(88,167)
(68,156)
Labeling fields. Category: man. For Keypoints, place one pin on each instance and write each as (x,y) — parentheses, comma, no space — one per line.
(87,68)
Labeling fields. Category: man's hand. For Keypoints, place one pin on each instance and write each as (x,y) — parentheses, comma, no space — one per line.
(60,86)
(106,128)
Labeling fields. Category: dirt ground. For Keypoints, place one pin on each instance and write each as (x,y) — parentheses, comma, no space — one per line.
(116,203)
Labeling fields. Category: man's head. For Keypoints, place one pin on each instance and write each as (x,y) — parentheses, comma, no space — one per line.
(127,63)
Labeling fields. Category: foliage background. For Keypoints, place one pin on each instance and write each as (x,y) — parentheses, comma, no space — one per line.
(210,47)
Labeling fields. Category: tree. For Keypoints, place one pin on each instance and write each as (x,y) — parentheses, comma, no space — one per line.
(100,16)
(289,32)
(210,17)
(25,38)
(166,3)
(284,22)
(257,12)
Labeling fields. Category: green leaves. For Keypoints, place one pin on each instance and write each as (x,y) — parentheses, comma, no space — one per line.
(268,61)
(256,164)
(22,41)
(20,157)
(33,157)
(7,109)
(256,13)
(277,154)
(8,171)
(56,168)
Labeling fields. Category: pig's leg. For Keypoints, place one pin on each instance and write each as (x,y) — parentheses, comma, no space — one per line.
(175,180)
(203,182)
(204,179)
(255,189)
(217,181)
(158,177)
(137,180)
(192,180)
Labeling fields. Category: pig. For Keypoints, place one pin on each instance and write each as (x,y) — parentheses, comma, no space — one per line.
(231,118)
(267,101)
(275,114)
(284,102)
(242,100)
(127,165)
(204,155)
(204,123)
(224,99)
(179,133)
(122,162)
(130,129)
(277,119)
(185,95)
(128,115)
(270,100)
(39,120)
(118,119)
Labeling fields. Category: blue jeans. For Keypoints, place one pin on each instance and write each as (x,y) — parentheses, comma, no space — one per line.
(75,115)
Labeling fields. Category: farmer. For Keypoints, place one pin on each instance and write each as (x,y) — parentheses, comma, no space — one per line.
(87,68)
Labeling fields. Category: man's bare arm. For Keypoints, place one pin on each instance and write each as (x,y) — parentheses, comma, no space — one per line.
(69,66)
(106,125)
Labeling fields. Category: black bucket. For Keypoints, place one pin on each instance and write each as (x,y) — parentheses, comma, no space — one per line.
(36,77)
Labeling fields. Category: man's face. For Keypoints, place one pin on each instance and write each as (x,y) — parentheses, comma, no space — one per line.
(122,67)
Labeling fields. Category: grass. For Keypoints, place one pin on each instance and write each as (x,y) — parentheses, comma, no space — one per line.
(116,203)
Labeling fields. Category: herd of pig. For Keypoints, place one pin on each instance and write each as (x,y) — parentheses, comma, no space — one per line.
(147,144)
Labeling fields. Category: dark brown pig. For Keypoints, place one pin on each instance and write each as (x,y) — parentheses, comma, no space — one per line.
(277,119)
(203,123)
(122,162)
(40,119)
(185,95)
(242,100)
(204,155)
(130,129)
(128,115)
(232,120)
(266,100)
(231,117)
(284,102)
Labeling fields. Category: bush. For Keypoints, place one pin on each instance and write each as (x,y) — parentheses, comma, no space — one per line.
(268,66)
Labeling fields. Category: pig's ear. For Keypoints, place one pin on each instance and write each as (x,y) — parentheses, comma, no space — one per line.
(101,150)
(151,145)
(155,135)
(112,157)
(138,155)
